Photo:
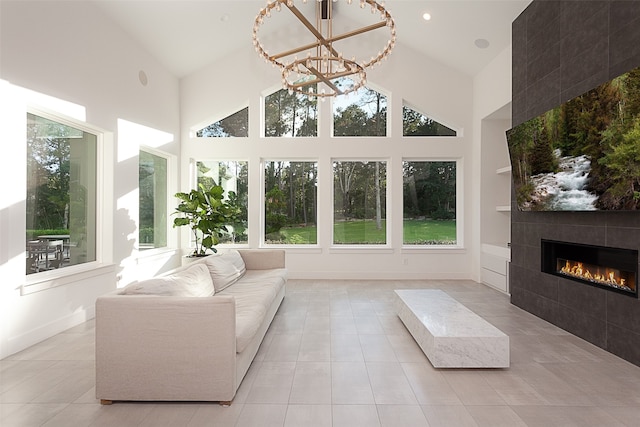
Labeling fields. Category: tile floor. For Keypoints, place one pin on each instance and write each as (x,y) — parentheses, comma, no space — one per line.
(337,355)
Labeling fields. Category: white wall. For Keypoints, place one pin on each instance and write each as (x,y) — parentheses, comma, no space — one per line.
(435,90)
(491,118)
(69,52)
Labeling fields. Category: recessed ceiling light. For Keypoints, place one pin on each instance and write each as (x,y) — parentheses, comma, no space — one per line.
(481,43)
(426,16)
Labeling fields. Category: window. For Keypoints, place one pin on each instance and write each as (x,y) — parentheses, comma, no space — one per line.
(417,124)
(363,113)
(233,176)
(235,125)
(152,178)
(359,202)
(290,115)
(61,194)
(429,203)
(290,202)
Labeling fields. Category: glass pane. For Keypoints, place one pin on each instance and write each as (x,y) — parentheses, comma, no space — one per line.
(236,125)
(233,176)
(152,175)
(359,203)
(290,115)
(429,203)
(363,113)
(417,124)
(290,202)
(61,195)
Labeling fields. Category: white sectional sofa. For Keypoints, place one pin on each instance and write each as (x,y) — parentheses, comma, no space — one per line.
(190,335)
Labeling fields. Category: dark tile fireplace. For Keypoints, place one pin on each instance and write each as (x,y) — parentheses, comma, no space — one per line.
(614,269)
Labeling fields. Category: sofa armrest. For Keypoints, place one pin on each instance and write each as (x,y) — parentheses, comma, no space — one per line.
(263,259)
(165,348)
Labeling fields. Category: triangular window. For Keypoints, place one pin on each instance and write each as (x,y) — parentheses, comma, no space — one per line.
(417,124)
(235,125)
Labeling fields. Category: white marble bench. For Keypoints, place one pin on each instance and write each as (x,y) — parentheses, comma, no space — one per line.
(449,334)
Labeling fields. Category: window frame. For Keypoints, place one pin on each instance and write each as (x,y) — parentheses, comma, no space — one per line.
(171,237)
(193,184)
(44,280)
(459,245)
(263,208)
(354,248)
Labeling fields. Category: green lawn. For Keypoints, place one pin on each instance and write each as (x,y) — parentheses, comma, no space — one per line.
(416,232)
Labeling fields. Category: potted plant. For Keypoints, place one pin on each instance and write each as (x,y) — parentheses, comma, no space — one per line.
(207,214)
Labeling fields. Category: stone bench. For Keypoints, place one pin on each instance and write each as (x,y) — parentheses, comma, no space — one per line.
(449,334)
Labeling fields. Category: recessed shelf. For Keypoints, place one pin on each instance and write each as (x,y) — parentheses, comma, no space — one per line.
(504,170)
(505,208)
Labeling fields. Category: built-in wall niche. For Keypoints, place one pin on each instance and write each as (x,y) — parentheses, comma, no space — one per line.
(614,269)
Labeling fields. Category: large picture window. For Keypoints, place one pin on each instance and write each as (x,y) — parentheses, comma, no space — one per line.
(291,202)
(61,195)
(233,176)
(359,202)
(152,178)
(429,203)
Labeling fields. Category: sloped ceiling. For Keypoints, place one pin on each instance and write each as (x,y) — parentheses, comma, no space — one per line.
(186,35)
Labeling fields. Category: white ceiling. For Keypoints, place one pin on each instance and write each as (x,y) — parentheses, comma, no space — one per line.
(186,35)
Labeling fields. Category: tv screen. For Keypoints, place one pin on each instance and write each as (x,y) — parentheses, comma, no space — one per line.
(584,154)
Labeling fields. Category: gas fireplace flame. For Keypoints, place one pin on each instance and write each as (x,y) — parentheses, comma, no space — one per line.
(602,275)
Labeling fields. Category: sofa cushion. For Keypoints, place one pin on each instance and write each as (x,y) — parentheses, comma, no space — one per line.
(254,294)
(192,281)
(225,269)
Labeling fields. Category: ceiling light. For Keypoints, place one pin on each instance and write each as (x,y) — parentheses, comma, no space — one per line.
(426,16)
(320,61)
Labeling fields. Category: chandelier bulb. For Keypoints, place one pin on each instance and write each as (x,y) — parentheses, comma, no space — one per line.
(362,4)
(289,3)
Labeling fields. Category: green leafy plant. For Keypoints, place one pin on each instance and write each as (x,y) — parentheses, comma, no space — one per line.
(207,214)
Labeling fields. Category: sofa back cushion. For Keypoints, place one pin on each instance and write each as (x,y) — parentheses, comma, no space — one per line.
(192,281)
(225,269)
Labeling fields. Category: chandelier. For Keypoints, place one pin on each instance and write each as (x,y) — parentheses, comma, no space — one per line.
(320,58)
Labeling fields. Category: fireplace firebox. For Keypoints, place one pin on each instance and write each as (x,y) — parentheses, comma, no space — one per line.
(614,269)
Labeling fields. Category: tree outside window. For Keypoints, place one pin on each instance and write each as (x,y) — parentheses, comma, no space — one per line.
(290,115)
(291,202)
(429,203)
(359,202)
(363,113)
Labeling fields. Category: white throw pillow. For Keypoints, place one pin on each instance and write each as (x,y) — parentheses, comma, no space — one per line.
(193,281)
(225,269)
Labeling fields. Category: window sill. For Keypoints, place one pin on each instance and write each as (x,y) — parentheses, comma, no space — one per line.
(361,249)
(64,276)
(149,254)
(434,249)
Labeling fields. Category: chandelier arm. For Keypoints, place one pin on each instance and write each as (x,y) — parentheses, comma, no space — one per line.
(330,40)
(311,28)
(325,79)
(357,32)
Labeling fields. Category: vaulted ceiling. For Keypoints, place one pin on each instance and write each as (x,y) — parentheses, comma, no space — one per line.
(186,35)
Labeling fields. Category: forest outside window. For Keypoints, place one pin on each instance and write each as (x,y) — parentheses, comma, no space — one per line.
(359,202)
(363,113)
(291,196)
(61,199)
(152,178)
(290,115)
(429,203)
(233,176)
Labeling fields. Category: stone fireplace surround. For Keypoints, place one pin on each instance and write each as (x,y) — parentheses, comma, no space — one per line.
(561,49)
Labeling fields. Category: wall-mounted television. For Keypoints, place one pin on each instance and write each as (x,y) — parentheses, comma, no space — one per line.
(584,154)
